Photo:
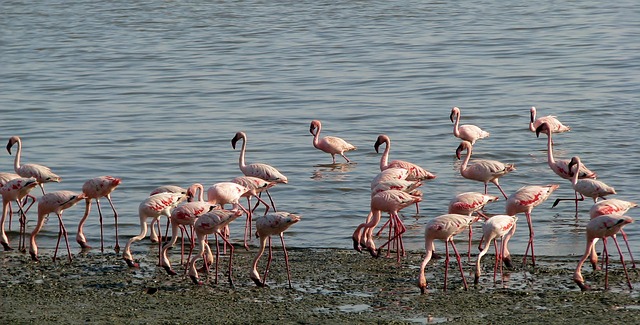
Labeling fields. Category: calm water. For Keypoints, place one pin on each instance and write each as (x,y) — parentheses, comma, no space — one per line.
(153,92)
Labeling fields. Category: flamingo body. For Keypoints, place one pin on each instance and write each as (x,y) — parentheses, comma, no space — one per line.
(561,166)
(14,190)
(415,172)
(331,145)
(555,126)
(94,189)
(482,170)
(467,132)
(41,173)
(498,226)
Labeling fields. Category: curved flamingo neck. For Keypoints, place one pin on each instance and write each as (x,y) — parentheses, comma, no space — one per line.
(463,166)
(550,159)
(241,158)
(574,177)
(533,118)
(197,190)
(456,131)
(384,160)
(316,136)
(16,161)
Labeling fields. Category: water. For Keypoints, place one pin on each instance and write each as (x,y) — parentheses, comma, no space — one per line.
(153,91)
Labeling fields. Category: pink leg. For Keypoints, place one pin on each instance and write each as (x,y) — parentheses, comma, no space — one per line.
(230,261)
(455,250)
(101,226)
(115,217)
(286,260)
(446,265)
(624,236)
(606,264)
(622,262)
(266,270)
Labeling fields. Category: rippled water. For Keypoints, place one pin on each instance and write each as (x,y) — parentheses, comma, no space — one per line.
(153,92)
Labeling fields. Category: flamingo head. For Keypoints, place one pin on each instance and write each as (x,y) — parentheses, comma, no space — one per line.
(315,125)
(381,139)
(543,128)
(455,112)
(533,114)
(574,161)
(238,136)
(463,145)
(11,142)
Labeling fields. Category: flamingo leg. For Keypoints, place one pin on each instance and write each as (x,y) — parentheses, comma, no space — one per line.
(624,236)
(66,237)
(455,250)
(286,260)
(622,262)
(606,264)
(115,217)
(266,270)
(230,270)
(530,244)
(101,226)
(446,265)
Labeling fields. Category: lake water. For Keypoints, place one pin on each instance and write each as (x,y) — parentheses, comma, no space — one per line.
(153,91)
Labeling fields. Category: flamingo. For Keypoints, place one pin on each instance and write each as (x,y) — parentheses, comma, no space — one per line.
(255,186)
(523,201)
(499,226)
(561,166)
(410,187)
(390,201)
(94,189)
(602,227)
(467,132)
(614,207)
(482,170)
(15,190)
(212,223)
(443,227)
(41,173)
(416,173)
(55,202)
(469,203)
(169,189)
(229,193)
(154,206)
(585,187)
(4,178)
(393,173)
(331,145)
(259,170)
(274,223)
(554,124)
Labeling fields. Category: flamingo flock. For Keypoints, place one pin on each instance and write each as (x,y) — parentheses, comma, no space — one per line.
(395,187)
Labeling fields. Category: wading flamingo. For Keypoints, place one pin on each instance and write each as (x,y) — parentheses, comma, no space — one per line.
(212,223)
(4,178)
(613,207)
(416,173)
(153,207)
(15,190)
(602,227)
(523,201)
(585,187)
(331,145)
(554,124)
(499,226)
(274,223)
(264,171)
(53,202)
(561,166)
(168,189)
(469,203)
(94,189)
(482,170)
(467,132)
(443,227)
(256,186)
(41,173)
(230,193)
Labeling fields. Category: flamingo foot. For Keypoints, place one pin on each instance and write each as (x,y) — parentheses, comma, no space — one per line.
(169,270)
(131,263)
(195,280)
(582,285)
(6,247)
(34,257)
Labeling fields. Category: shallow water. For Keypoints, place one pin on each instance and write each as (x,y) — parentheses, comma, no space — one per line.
(152,92)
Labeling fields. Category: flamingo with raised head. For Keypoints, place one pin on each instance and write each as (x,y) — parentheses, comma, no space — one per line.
(53,202)
(213,222)
(274,223)
(467,132)
(154,206)
(561,166)
(469,203)
(614,207)
(416,173)
(260,170)
(555,126)
(602,227)
(331,145)
(443,227)
(523,201)
(499,226)
(94,189)
(585,187)
(482,170)
(41,173)
(15,190)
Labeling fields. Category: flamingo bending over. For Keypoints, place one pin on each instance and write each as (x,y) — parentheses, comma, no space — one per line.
(416,173)
(15,190)
(41,173)
(274,223)
(469,203)
(613,207)
(523,201)
(169,189)
(554,125)
(585,187)
(230,193)
(482,170)
(499,226)
(4,178)
(467,132)
(264,171)
(55,202)
(443,227)
(96,188)
(602,227)
(331,145)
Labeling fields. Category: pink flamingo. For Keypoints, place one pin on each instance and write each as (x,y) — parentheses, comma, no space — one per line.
(613,207)
(467,132)
(41,173)
(443,227)
(274,223)
(212,223)
(602,227)
(15,190)
(229,193)
(553,123)
(389,174)
(154,207)
(390,201)
(55,202)
(169,189)
(410,187)
(585,187)
(4,178)
(94,189)
(416,173)
(482,170)
(255,186)
(331,145)
(523,201)
(469,203)
(498,226)
(259,170)
(561,166)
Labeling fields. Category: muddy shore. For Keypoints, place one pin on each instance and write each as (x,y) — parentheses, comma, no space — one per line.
(330,286)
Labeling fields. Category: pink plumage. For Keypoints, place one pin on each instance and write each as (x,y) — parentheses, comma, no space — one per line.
(554,124)
(467,132)
(14,190)
(416,173)
(41,173)
(482,170)
(94,189)
(499,226)
(329,144)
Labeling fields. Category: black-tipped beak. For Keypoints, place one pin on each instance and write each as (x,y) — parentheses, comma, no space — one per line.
(459,152)
(451,117)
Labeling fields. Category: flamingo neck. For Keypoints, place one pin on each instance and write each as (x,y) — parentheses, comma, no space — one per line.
(574,178)
(550,159)
(241,158)
(316,136)
(456,131)
(263,244)
(533,118)
(384,160)
(16,161)
(463,166)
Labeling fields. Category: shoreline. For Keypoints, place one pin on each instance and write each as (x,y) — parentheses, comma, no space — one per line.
(329,286)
